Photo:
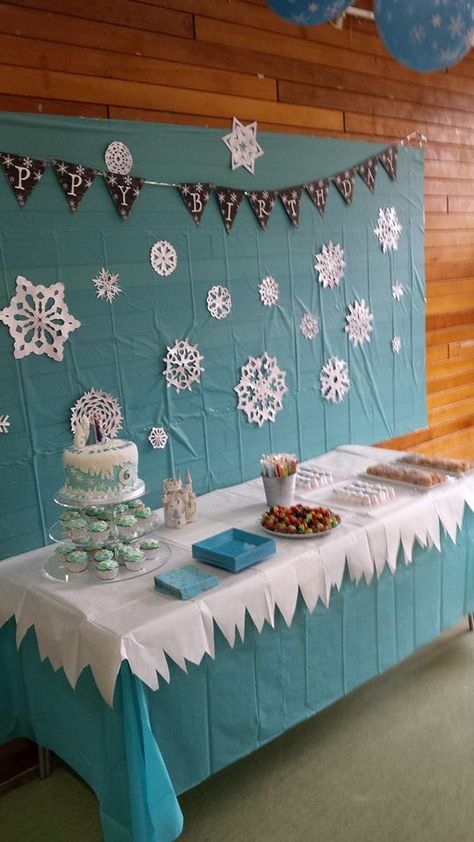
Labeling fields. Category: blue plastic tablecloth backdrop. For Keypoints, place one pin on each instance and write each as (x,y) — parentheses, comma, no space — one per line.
(120,346)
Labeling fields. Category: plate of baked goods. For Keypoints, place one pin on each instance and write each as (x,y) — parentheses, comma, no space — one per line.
(299,521)
(420,479)
(453,467)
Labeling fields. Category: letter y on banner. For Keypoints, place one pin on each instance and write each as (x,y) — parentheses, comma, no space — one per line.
(125,190)
(22,173)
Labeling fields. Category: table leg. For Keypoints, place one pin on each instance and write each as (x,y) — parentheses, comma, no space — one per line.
(44,762)
(470,618)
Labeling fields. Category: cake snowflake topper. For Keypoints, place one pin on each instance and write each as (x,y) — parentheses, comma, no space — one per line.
(106,285)
(101,405)
(261,389)
(163,257)
(242,143)
(269,291)
(183,365)
(4,423)
(330,265)
(396,344)
(334,379)
(309,325)
(219,302)
(388,229)
(38,319)
(158,438)
(359,323)
(118,158)
(398,291)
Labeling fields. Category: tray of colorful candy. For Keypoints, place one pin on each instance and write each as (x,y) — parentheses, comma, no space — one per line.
(299,521)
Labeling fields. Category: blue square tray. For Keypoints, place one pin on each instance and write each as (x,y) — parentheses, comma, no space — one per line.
(234,549)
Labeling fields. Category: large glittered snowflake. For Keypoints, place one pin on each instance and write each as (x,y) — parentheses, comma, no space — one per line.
(158,438)
(106,285)
(309,325)
(219,302)
(242,143)
(396,344)
(261,389)
(398,291)
(269,291)
(334,379)
(163,257)
(4,423)
(183,365)
(38,319)
(118,158)
(330,265)
(101,405)
(359,323)
(388,229)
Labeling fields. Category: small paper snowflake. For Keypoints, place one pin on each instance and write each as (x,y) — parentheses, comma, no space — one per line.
(106,285)
(261,389)
(183,365)
(359,323)
(269,291)
(4,423)
(242,143)
(388,229)
(118,158)
(396,344)
(163,257)
(397,291)
(158,438)
(330,265)
(219,302)
(334,379)
(101,404)
(309,325)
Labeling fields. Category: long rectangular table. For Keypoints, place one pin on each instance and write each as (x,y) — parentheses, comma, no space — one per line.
(145,696)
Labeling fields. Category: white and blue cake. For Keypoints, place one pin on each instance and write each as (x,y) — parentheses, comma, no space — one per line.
(103,471)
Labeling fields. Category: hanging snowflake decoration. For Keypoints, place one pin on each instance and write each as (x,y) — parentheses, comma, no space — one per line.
(102,405)
(106,285)
(397,291)
(309,325)
(330,265)
(242,143)
(396,344)
(158,438)
(163,258)
(269,291)
(359,323)
(4,423)
(388,229)
(38,319)
(183,365)
(219,302)
(118,158)
(261,389)
(334,379)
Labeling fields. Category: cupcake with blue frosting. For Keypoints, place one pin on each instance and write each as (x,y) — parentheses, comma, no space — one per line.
(107,569)
(150,548)
(134,560)
(98,532)
(76,562)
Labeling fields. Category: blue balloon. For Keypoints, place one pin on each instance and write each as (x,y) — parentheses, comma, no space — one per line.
(425,34)
(307,12)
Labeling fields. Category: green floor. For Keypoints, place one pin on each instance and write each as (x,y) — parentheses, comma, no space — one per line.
(392,761)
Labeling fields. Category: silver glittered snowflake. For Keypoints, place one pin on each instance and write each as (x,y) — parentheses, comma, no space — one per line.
(4,423)
(243,145)
(163,257)
(261,389)
(359,323)
(330,265)
(396,344)
(334,379)
(388,229)
(309,325)
(219,302)
(106,285)
(158,438)
(269,291)
(397,291)
(103,406)
(118,158)
(183,365)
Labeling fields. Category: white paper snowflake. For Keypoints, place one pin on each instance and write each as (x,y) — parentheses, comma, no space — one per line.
(269,291)
(309,325)
(330,265)
(118,158)
(261,389)
(334,379)
(38,319)
(163,257)
(396,344)
(219,302)
(242,142)
(4,423)
(359,323)
(388,229)
(158,438)
(183,365)
(101,404)
(106,285)
(397,291)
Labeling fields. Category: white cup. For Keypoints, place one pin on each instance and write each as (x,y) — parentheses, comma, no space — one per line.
(280,491)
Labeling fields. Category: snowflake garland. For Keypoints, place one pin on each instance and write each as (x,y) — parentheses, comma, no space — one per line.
(4,423)
(310,325)
(388,229)
(242,143)
(261,389)
(163,258)
(158,438)
(183,365)
(330,265)
(397,291)
(359,323)
(396,344)
(104,406)
(334,379)
(118,158)
(219,302)
(106,285)
(38,319)
(269,291)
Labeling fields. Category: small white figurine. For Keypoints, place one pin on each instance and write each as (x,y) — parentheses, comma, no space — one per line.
(179,503)
(81,433)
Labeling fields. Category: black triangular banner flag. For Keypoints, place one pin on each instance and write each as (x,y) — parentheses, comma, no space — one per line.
(318,193)
(368,171)
(75,179)
(388,158)
(262,203)
(290,199)
(229,199)
(195,197)
(344,182)
(124,190)
(22,173)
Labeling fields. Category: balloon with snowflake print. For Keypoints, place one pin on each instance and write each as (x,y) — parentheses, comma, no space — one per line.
(425,36)
(306,12)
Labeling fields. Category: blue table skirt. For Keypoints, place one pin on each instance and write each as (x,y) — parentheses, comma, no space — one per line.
(154,745)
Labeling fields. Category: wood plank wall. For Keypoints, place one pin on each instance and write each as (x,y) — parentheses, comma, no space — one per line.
(202,61)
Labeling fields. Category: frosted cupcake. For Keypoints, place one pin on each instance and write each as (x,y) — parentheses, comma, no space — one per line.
(135,504)
(63,550)
(144,517)
(103,555)
(76,529)
(150,548)
(121,509)
(76,562)
(127,525)
(134,559)
(107,569)
(118,549)
(98,532)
